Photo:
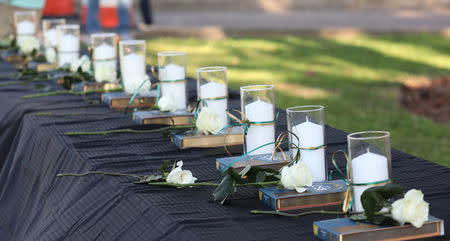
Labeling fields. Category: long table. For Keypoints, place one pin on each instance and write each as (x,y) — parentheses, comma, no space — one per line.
(37,205)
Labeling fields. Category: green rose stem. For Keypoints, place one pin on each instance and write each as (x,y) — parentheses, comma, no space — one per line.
(8,75)
(62,92)
(98,173)
(168,184)
(293,215)
(75,114)
(23,82)
(211,184)
(128,131)
(68,92)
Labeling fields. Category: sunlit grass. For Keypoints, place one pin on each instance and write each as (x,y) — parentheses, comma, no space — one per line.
(357,79)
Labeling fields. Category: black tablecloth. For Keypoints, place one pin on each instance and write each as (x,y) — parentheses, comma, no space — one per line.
(36,205)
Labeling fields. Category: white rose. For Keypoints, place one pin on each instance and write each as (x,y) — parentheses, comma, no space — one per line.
(296,177)
(208,122)
(28,44)
(82,62)
(167,103)
(411,209)
(179,176)
(50,55)
(104,72)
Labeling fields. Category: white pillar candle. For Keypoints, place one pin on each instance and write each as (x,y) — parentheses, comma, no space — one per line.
(173,72)
(214,90)
(105,55)
(51,37)
(24,28)
(68,49)
(311,135)
(133,72)
(367,168)
(258,135)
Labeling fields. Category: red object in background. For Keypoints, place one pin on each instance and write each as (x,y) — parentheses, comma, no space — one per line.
(58,8)
(108,16)
(83,15)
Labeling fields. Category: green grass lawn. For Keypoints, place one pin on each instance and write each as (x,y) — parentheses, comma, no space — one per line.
(357,79)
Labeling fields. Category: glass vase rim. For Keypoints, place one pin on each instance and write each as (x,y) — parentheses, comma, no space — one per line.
(54,20)
(132,42)
(257,87)
(171,53)
(25,12)
(68,26)
(103,34)
(305,108)
(211,69)
(375,135)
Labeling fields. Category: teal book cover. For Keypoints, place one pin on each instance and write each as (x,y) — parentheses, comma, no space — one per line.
(263,160)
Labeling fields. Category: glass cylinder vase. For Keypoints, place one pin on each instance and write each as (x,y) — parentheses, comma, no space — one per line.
(132,65)
(212,90)
(172,76)
(68,43)
(370,162)
(306,125)
(49,31)
(25,25)
(258,106)
(104,57)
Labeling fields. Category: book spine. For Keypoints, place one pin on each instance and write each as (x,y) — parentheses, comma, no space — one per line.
(221,166)
(324,234)
(44,67)
(178,141)
(268,200)
(78,87)
(138,119)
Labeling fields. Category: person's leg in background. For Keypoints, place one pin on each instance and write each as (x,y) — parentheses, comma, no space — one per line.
(147,16)
(124,19)
(146,8)
(92,22)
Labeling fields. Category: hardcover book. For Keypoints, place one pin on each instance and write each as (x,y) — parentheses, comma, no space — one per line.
(119,100)
(321,195)
(157,117)
(94,86)
(12,57)
(191,140)
(262,160)
(38,66)
(344,229)
(42,67)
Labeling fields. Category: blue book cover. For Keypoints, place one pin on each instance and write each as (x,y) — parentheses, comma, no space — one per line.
(262,160)
(141,117)
(122,99)
(94,86)
(108,97)
(344,229)
(319,195)
(6,54)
